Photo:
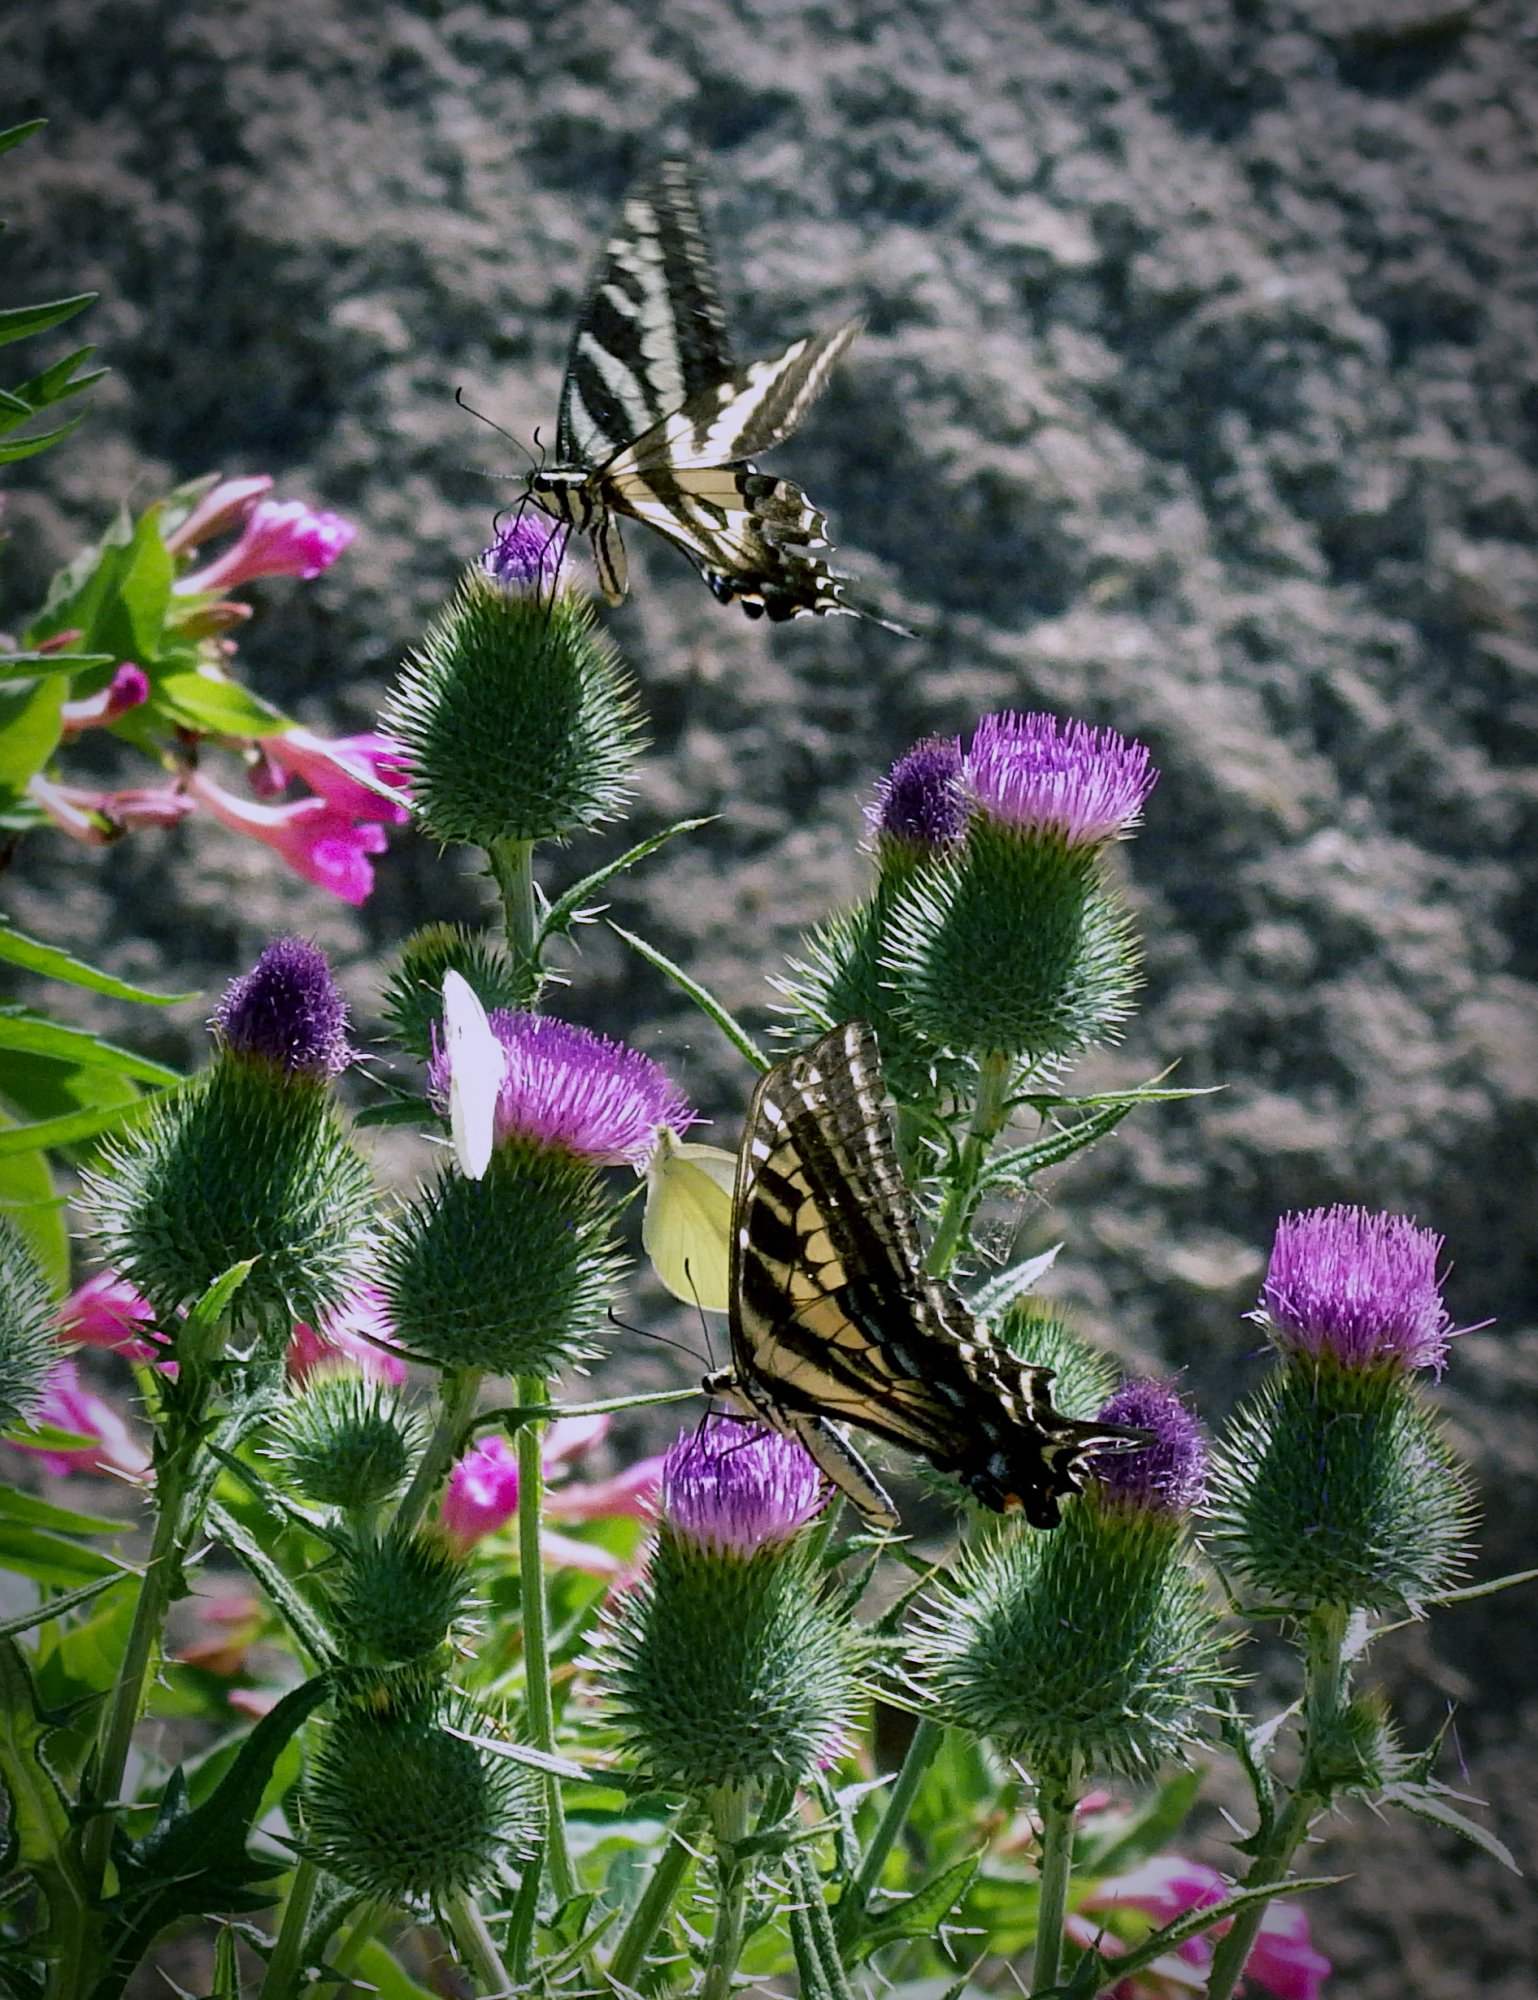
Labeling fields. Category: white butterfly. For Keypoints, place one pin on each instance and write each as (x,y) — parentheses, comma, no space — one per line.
(687,1227)
(477,1065)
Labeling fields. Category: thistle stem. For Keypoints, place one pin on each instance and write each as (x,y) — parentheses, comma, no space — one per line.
(536,1632)
(512,865)
(990,1114)
(729,1820)
(456,1406)
(1057,1806)
(1325,1688)
(850,1914)
(650,1913)
(473,1942)
(286,1963)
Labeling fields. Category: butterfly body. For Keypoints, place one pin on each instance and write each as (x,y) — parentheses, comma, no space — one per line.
(834,1319)
(658,425)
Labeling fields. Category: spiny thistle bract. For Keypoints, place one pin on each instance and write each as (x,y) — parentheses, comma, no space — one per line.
(413,1000)
(516,717)
(511,1273)
(395,1598)
(29,1344)
(346,1440)
(1038,1332)
(245,1162)
(1334,1485)
(398,1804)
(725,1665)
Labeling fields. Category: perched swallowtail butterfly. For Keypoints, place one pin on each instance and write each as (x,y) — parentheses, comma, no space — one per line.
(833,1316)
(657,424)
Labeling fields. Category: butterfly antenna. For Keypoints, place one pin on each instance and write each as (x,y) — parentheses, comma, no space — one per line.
(704,1323)
(481,416)
(650,1333)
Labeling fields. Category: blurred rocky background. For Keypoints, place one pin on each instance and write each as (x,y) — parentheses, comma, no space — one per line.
(1199,396)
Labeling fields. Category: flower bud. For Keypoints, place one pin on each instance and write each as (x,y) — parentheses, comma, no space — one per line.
(413,1001)
(396,1598)
(1038,1332)
(28,1348)
(517,721)
(346,1440)
(248,1161)
(398,1804)
(725,1665)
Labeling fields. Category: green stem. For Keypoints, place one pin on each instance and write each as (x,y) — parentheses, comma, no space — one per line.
(359,1931)
(990,1114)
(1323,1694)
(650,1913)
(286,1965)
(512,864)
(456,1406)
(729,1820)
(854,1902)
(536,1633)
(1057,1806)
(472,1940)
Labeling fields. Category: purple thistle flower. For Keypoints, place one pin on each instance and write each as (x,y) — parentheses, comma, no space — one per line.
(735,1487)
(570,1090)
(920,802)
(527,554)
(1167,1475)
(287,1010)
(1069,782)
(1357,1286)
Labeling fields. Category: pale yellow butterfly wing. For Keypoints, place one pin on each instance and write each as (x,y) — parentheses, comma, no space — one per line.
(687,1227)
(477,1065)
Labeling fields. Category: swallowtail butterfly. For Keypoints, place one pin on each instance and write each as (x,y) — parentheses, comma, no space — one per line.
(833,1316)
(658,425)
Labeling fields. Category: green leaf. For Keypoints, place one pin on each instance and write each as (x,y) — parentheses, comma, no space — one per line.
(55,1607)
(17,322)
(1022,1163)
(375,1967)
(40,1829)
(918,1915)
(31,728)
(33,666)
(31,1511)
(1430,1802)
(43,1134)
(15,134)
(1194,1922)
(54,1560)
(708,1005)
(115,595)
(34,956)
(53,385)
(1001,1290)
(567,909)
(13,454)
(35,1033)
(216,707)
(295,1611)
(27,1196)
(205,1316)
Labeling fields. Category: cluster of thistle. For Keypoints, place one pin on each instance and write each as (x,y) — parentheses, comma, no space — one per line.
(136,641)
(729,1672)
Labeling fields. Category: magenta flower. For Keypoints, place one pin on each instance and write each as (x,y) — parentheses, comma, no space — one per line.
(1064,782)
(482,1493)
(316,839)
(1283,1957)
(97,819)
(1168,1474)
(527,554)
(223,507)
(128,688)
(1356,1286)
(569,1090)
(286,1010)
(106,1311)
(338,769)
(280,538)
(920,802)
(357,1335)
(109,1446)
(734,1487)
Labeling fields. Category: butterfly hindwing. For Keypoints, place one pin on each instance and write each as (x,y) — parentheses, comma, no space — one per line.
(833,1316)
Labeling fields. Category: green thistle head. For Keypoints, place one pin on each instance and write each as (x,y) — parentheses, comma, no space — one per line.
(413,1001)
(346,1440)
(29,1345)
(397,1597)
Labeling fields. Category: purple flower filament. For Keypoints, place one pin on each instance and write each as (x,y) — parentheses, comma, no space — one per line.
(287,1010)
(1169,1473)
(1067,782)
(1357,1287)
(734,1487)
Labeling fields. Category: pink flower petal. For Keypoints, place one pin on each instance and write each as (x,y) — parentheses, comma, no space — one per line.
(315,838)
(68,1406)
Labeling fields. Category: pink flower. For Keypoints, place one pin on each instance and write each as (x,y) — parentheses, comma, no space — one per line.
(1283,1958)
(339,769)
(96,819)
(224,506)
(106,1311)
(111,1446)
(237,1622)
(128,688)
(358,1333)
(1358,1287)
(280,538)
(1163,1888)
(482,1493)
(1062,781)
(314,837)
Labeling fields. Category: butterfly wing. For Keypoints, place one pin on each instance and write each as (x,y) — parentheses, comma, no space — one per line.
(833,1314)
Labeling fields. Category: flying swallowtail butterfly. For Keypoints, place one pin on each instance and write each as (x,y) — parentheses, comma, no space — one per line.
(658,425)
(833,1316)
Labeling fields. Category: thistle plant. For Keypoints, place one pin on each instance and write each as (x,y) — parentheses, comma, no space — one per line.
(450,1640)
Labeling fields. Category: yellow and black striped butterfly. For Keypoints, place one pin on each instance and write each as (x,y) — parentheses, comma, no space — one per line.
(834,1319)
(658,425)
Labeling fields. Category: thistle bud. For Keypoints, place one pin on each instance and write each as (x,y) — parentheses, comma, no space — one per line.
(1335,1485)
(413,1001)
(28,1346)
(724,1665)
(397,1597)
(1093,1648)
(1013,944)
(516,718)
(1040,1333)
(248,1161)
(346,1440)
(399,1804)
